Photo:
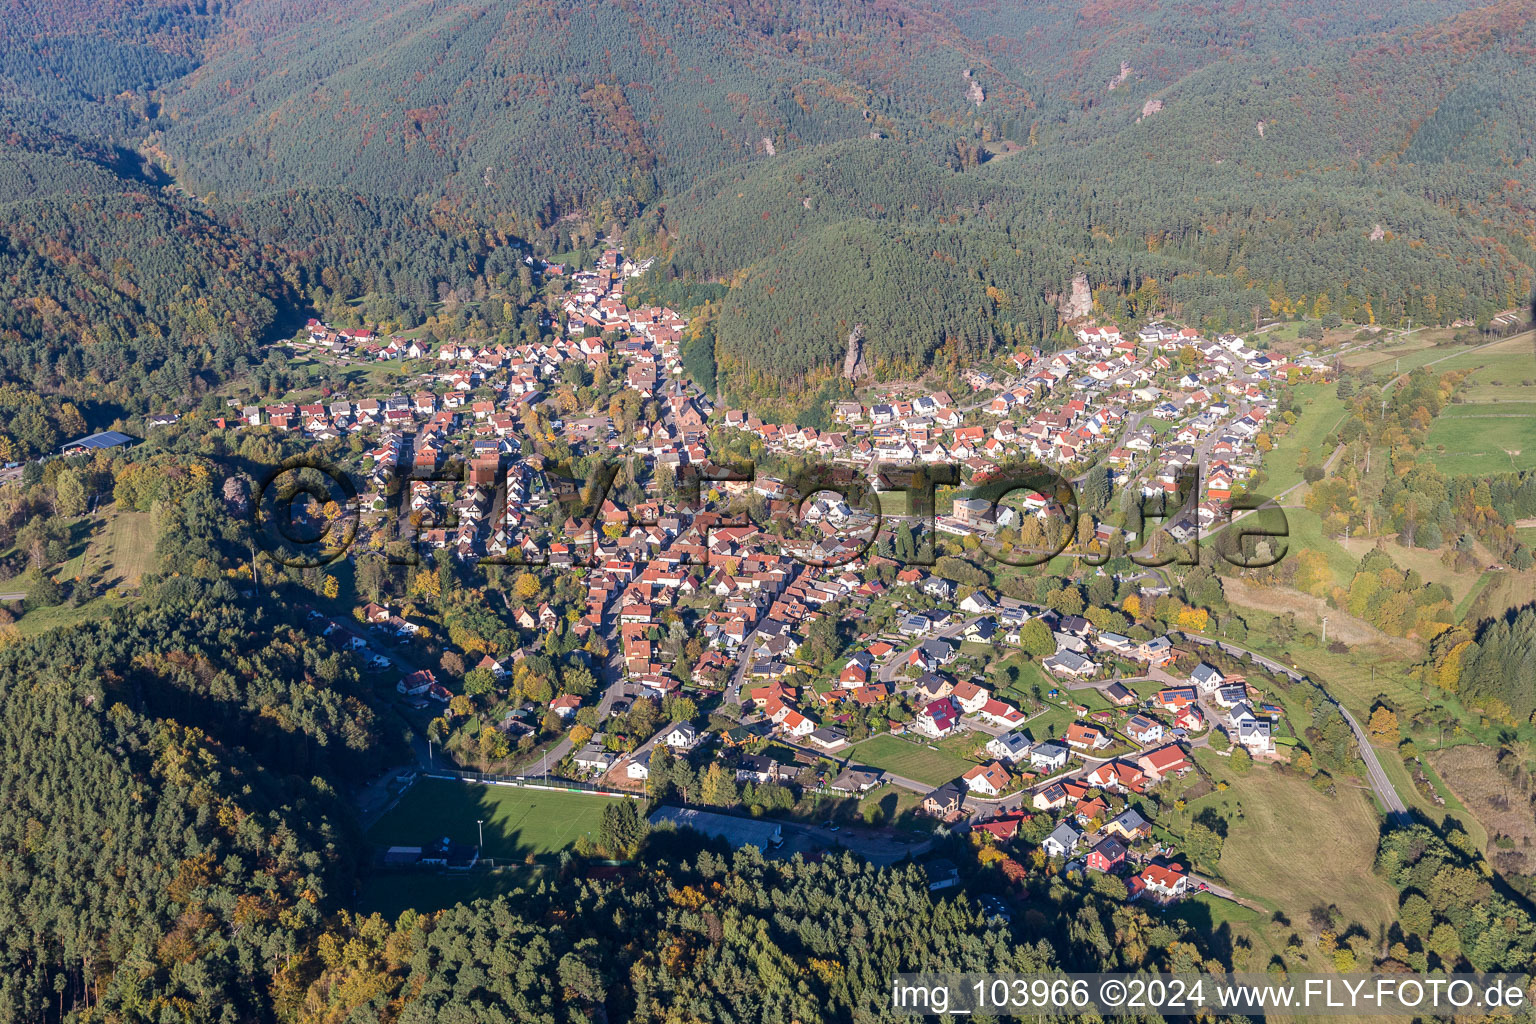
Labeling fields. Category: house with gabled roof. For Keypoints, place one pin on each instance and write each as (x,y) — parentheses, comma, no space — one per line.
(1118,776)
(938,718)
(1009,746)
(1129,825)
(990,779)
(1164,881)
(1163,761)
(1082,736)
(1206,677)
(1062,842)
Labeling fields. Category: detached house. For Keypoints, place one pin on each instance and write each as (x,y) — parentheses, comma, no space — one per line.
(1108,855)
(989,779)
(1062,842)
(938,718)
(1163,881)
(1081,736)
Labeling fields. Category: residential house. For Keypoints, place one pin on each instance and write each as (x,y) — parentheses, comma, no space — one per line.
(938,718)
(1049,757)
(1010,746)
(1230,695)
(1062,842)
(1108,855)
(1156,652)
(1144,730)
(681,736)
(1163,761)
(1118,776)
(945,802)
(1119,695)
(989,779)
(1206,677)
(1081,736)
(1129,825)
(1163,881)
(1070,663)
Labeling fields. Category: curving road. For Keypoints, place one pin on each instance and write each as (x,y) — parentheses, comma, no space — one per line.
(1397,811)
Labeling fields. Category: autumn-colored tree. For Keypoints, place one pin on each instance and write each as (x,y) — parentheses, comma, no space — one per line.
(425,584)
(1313,574)
(1194,620)
(526,586)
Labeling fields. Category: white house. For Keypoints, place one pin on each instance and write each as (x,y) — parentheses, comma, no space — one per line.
(1049,756)
(987,779)
(1010,746)
(681,736)
(1062,841)
(1206,677)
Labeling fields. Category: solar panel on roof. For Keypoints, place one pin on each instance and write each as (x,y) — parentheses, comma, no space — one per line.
(104,439)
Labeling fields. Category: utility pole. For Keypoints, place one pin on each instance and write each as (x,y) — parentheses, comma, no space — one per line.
(1325,631)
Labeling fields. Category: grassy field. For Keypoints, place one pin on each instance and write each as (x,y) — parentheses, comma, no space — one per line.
(1305,531)
(1508,362)
(911,760)
(893,802)
(1051,723)
(119,547)
(1293,869)
(1028,672)
(1492,429)
(1402,354)
(1426,562)
(122,550)
(1453,812)
(1321,411)
(1495,593)
(518,822)
(1482,445)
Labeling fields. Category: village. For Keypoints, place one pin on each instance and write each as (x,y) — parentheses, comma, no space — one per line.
(782,636)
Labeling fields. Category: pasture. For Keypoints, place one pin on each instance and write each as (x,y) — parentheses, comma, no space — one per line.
(1321,413)
(1283,867)
(1481,441)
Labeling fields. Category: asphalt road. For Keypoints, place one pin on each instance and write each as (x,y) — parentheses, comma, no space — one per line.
(1397,811)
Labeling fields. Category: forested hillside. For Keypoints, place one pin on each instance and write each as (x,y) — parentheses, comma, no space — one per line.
(150,855)
(938,171)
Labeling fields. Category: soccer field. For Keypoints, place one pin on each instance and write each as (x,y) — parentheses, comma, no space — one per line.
(517,821)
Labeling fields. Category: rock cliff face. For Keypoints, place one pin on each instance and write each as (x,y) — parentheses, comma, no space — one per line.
(1079,302)
(854,366)
(973,91)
